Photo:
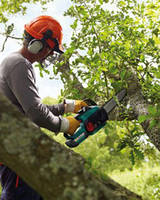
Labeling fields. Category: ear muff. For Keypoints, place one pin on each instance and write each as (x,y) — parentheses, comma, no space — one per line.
(35,46)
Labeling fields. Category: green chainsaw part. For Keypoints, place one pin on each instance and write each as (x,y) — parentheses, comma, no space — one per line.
(81,133)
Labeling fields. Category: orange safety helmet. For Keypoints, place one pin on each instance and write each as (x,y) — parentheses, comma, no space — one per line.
(40,25)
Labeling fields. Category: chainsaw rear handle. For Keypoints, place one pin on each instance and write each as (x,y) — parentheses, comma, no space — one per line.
(77,138)
(75,141)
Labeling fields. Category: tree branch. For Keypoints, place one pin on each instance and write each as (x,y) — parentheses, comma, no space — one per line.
(6,38)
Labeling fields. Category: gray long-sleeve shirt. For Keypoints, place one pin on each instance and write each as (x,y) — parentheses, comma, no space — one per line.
(18,84)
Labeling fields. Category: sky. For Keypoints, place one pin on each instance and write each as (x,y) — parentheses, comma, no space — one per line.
(46,86)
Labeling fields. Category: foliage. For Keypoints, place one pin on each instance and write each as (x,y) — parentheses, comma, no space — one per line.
(9,7)
(106,44)
(153,115)
(144,181)
(49,101)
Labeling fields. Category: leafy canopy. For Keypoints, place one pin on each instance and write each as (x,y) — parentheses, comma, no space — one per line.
(9,7)
(108,42)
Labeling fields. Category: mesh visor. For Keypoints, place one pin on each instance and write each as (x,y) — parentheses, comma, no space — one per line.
(50,60)
(57,46)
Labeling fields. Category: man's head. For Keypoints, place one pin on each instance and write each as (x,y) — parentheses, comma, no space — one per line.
(43,36)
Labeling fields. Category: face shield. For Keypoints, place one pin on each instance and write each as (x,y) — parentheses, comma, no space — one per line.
(53,56)
(50,60)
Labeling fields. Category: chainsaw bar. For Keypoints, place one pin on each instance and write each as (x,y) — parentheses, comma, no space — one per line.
(112,103)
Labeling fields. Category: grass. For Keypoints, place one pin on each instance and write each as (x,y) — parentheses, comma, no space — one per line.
(143,181)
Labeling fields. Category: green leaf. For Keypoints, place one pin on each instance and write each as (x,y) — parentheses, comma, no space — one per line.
(122,144)
(153,123)
(74,25)
(142,118)
(139,153)
(101,1)
(131,157)
(122,74)
(152,110)
(113,69)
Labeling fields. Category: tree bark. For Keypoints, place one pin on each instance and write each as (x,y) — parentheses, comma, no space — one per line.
(53,170)
(139,105)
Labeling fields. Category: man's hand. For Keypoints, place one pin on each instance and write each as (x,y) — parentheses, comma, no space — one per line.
(73,125)
(69,125)
(74,105)
(78,105)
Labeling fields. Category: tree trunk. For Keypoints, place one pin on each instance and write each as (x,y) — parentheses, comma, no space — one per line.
(53,170)
(139,105)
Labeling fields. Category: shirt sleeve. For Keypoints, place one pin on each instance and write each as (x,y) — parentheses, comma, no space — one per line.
(57,109)
(22,83)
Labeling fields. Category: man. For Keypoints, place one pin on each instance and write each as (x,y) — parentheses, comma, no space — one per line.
(42,37)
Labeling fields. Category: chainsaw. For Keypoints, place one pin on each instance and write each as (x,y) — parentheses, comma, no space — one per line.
(92,118)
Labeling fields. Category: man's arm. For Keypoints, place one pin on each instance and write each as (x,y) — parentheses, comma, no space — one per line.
(57,109)
(21,82)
